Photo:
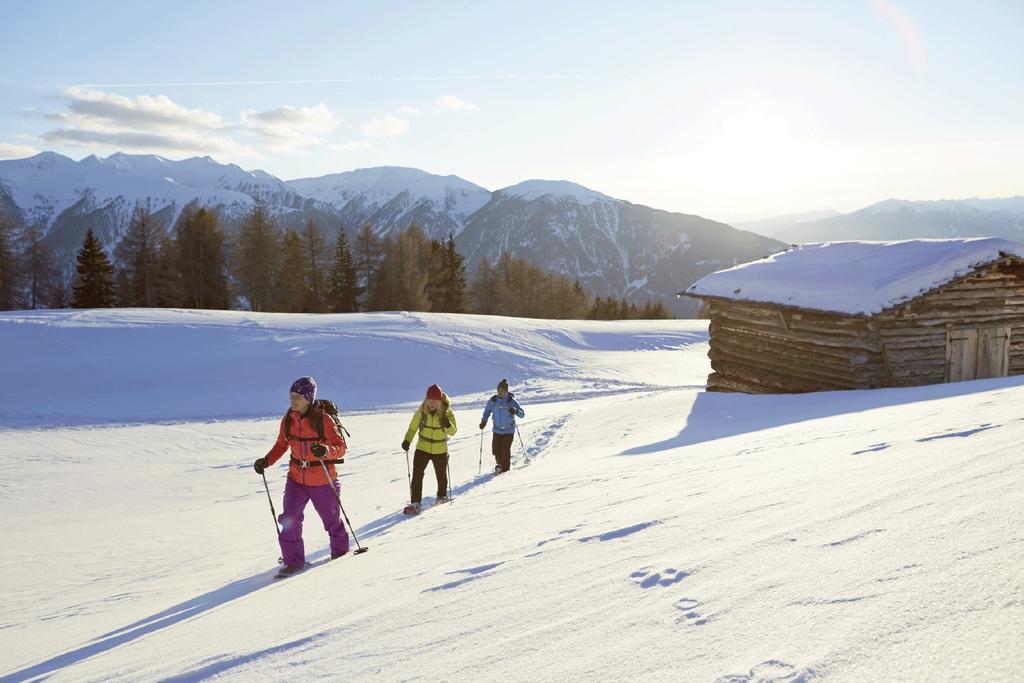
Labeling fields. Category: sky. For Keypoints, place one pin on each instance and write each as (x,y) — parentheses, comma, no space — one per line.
(734,110)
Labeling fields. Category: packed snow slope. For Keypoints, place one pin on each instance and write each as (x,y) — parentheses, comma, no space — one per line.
(657,533)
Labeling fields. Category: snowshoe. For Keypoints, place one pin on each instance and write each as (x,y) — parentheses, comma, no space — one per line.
(442,499)
(286,571)
(411,509)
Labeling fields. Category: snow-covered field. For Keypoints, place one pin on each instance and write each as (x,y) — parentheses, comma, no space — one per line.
(659,532)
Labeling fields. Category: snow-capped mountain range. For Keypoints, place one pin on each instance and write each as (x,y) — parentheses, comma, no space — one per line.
(896,219)
(389,197)
(65,198)
(614,247)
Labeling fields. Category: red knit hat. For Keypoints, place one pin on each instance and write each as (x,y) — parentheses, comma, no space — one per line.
(434,392)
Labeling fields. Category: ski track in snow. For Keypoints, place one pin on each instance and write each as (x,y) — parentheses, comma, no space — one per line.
(380,526)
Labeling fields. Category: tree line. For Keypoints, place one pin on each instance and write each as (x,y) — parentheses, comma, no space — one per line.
(265,268)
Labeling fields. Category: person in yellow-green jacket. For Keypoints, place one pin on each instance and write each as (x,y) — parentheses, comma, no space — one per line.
(434,421)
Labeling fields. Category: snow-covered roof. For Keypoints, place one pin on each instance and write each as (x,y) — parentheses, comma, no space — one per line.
(856,278)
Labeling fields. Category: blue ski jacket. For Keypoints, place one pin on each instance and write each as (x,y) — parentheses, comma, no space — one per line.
(504,422)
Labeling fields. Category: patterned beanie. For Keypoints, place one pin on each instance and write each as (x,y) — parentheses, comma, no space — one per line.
(305,387)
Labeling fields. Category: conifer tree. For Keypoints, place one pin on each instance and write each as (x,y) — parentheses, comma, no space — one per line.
(345,290)
(257,259)
(43,285)
(292,292)
(170,291)
(10,269)
(201,263)
(483,291)
(382,288)
(94,276)
(447,277)
(136,255)
(316,271)
(368,251)
(124,297)
(401,278)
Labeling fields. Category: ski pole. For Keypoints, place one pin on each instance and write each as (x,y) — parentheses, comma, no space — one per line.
(480,464)
(408,473)
(448,462)
(277,529)
(525,453)
(359,549)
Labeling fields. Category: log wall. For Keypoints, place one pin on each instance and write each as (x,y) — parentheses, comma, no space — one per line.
(762,348)
(914,334)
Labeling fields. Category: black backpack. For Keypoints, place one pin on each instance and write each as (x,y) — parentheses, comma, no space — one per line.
(317,409)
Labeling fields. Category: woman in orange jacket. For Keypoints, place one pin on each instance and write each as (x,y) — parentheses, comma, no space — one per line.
(315,441)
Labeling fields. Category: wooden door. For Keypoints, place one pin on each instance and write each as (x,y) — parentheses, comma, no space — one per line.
(961,355)
(977,353)
(993,352)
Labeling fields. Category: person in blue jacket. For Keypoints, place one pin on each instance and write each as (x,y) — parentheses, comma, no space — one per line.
(506,409)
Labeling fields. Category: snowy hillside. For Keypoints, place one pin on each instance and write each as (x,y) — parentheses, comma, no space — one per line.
(390,197)
(659,533)
(896,219)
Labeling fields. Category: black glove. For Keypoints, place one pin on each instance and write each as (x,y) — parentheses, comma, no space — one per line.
(511,411)
(318,449)
(445,424)
(260,465)
(405,446)
(482,425)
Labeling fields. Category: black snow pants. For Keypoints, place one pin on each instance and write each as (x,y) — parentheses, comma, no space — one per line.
(501,448)
(419,466)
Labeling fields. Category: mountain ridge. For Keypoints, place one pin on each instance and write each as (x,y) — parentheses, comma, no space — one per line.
(614,247)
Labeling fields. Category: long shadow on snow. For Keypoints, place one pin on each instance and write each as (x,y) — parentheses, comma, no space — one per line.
(220,665)
(717,415)
(198,605)
(151,624)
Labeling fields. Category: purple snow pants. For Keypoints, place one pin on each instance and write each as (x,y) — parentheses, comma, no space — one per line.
(325,503)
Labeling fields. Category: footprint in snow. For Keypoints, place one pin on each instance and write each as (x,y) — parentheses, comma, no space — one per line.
(770,671)
(667,577)
(690,614)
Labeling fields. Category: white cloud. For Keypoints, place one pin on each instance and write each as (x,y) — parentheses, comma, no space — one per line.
(453,103)
(143,112)
(8,151)
(384,127)
(411,111)
(289,127)
(142,141)
(141,124)
(357,146)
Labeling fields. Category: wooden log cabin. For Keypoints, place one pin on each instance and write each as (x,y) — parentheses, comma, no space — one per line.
(862,315)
